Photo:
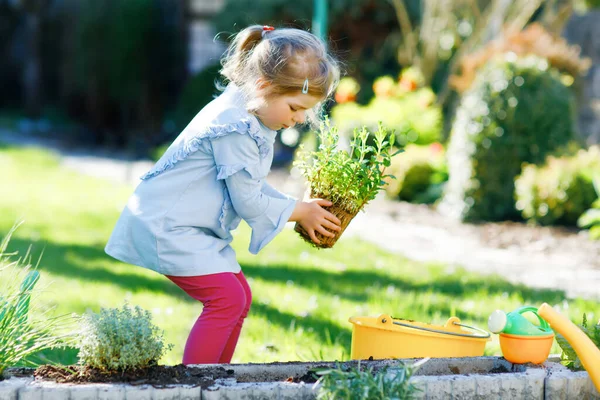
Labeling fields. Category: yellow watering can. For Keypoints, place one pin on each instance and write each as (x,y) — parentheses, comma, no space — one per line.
(586,350)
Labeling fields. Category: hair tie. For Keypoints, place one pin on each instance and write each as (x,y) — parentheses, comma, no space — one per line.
(266,29)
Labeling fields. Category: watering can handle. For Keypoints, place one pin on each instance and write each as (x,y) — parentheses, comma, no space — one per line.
(534,310)
(483,334)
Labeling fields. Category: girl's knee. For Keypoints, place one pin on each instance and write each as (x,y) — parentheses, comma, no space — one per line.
(231,303)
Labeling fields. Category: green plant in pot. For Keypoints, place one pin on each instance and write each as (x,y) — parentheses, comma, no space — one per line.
(349,179)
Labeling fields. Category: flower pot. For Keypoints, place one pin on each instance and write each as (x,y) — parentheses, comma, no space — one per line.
(327,242)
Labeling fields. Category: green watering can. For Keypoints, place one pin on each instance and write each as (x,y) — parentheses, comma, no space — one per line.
(514,323)
(21,308)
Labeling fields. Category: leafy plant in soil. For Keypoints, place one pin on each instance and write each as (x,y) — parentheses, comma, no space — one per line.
(119,339)
(349,179)
(366,384)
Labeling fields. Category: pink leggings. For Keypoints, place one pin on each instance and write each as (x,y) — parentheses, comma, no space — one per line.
(226,298)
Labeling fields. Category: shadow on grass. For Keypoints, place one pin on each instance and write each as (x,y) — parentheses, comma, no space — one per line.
(325,330)
(58,260)
(351,284)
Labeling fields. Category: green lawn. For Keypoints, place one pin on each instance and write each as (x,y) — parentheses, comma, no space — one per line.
(303,297)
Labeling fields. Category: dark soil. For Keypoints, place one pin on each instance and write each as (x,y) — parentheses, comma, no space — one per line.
(158,375)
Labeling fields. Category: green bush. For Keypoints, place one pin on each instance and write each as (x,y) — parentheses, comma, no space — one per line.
(517,111)
(591,218)
(560,191)
(420,174)
(119,339)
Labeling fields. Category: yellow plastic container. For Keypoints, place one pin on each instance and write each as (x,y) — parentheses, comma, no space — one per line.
(383,337)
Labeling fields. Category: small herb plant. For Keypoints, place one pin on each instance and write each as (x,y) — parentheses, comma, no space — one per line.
(349,179)
(119,339)
(366,384)
(568,356)
(20,335)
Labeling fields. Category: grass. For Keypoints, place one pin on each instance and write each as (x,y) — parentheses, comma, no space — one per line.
(303,297)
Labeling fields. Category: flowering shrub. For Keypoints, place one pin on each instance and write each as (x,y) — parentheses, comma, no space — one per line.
(517,111)
(533,40)
(119,339)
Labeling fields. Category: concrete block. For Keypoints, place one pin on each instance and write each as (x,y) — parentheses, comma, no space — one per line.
(9,388)
(265,391)
(580,386)
(55,391)
(513,387)
(241,391)
(30,392)
(440,388)
(166,393)
(189,392)
(534,383)
(111,392)
(420,383)
(488,387)
(563,384)
(84,392)
(463,387)
(312,390)
(141,392)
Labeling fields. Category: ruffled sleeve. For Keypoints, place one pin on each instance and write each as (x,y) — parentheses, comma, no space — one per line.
(238,161)
(190,142)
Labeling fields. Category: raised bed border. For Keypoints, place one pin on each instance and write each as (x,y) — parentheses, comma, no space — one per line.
(444,378)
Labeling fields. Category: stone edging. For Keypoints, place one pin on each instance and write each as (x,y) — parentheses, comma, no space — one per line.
(438,379)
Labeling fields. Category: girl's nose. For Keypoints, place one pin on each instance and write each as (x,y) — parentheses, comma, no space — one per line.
(300,117)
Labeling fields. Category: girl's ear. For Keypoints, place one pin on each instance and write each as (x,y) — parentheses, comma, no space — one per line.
(262,83)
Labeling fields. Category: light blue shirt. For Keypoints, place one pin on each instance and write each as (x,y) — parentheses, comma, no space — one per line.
(180,217)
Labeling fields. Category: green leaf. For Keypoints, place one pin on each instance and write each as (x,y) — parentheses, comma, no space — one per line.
(589,218)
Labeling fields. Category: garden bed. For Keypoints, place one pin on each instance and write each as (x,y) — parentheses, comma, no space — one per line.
(479,377)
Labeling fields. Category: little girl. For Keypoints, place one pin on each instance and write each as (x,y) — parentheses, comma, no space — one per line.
(178,222)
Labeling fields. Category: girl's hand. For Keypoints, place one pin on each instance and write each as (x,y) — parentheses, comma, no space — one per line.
(311,215)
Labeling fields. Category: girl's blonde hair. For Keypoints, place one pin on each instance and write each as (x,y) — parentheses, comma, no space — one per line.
(284,59)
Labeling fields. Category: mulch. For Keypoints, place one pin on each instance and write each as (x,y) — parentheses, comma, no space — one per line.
(157,375)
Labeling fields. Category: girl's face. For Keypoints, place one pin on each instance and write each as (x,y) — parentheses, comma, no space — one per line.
(285,111)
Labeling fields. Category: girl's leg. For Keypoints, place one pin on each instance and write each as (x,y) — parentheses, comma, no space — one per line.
(235,334)
(224,300)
